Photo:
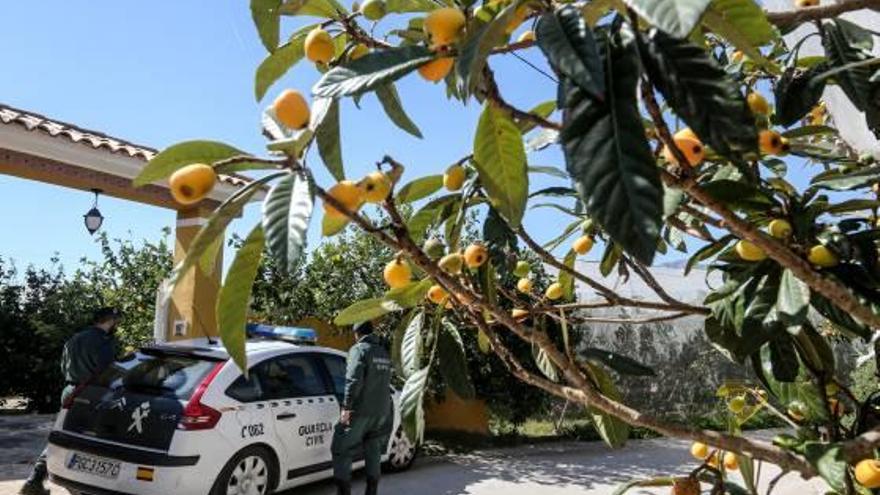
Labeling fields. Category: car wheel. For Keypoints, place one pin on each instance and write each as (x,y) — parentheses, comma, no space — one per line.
(401,454)
(252,471)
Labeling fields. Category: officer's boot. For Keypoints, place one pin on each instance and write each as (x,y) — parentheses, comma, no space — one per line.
(343,487)
(34,483)
(372,486)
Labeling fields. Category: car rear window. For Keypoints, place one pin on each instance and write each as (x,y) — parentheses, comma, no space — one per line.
(171,376)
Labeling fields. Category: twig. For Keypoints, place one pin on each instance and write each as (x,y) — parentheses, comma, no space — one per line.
(492,92)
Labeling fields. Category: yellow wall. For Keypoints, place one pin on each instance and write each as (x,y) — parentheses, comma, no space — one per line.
(453,414)
(195,297)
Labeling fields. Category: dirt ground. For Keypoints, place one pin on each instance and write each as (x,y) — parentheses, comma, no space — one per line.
(549,469)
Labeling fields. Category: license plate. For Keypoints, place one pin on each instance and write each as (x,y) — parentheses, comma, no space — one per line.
(97,466)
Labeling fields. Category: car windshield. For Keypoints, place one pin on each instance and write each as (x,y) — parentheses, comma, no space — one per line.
(167,375)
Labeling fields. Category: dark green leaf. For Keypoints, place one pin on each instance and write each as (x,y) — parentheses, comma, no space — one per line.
(556,192)
(794,297)
(419,188)
(618,362)
(316,8)
(374,69)
(566,280)
(327,136)
(235,296)
(707,251)
(280,61)
(676,17)
(608,156)
(839,181)
(268,21)
(390,101)
(783,359)
(738,195)
(364,310)
(411,404)
(453,362)
(829,462)
(500,160)
(840,50)
(612,430)
(796,92)
(698,89)
(410,294)
(182,154)
(744,24)
(287,211)
(472,57)
(610,258)
(397,341)
(568,44)
(424,219)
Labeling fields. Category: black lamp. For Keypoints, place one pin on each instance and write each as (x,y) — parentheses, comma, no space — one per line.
(93,219)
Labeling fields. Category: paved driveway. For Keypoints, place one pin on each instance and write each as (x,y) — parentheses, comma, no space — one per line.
(549,469)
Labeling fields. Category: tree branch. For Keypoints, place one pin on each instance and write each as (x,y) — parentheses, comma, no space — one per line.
(807,14)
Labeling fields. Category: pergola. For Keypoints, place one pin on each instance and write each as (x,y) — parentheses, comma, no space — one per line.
(39,148)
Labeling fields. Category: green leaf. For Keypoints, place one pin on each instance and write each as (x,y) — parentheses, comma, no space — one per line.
(569,46)
(500,160)
(612,430)
(316,8)
(801,390)
(453,361)
(327,137)
(843,319)
(397,341)
(411,345)
(182,154)
(280,61)
(839,181)
(364,310)
(796,92)
(424,219)
(698,89)
(472,57)
(212,232)
(235,296)
(707,251)
(609,258)
(545,365)
(739,195)
(618,362)
(551,171)
(855,82)
(411,405)
(268,21)
(542,110)
(372,70)
(608,156)
(566,279)
(784,362)
(393,107)
(287,211)
(676,17)
(829,462)
(744,24)
(410,294)
(331,225)
(403,6)
(419,188)
(293,146)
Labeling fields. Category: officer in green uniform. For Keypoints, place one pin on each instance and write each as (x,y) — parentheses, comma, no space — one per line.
(366,419)
(85,355)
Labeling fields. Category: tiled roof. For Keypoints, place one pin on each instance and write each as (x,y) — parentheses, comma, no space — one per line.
(96,140)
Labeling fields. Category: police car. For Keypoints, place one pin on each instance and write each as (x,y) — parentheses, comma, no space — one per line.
(181,418)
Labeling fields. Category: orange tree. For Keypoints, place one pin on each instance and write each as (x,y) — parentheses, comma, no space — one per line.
(626,73)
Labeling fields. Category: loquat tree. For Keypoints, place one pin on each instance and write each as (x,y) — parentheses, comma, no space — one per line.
(626,73)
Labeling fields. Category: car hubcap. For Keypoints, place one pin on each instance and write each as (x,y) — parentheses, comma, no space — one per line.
(402,450)
(250,477)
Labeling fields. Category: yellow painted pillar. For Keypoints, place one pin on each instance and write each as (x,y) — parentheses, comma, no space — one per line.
(192,313)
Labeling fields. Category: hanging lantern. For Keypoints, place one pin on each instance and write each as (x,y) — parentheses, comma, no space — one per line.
(93,219)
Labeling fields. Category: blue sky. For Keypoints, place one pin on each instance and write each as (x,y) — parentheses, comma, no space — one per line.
(154,74)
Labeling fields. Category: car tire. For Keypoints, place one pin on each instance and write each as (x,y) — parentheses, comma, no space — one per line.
(401,453)
(254,465)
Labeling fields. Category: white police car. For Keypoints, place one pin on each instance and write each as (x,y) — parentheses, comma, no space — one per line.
(180,418)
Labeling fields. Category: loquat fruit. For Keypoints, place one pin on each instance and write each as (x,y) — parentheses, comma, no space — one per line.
(190,184)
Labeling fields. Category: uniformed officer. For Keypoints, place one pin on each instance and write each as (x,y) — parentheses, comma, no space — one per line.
(85,355)
(366,419)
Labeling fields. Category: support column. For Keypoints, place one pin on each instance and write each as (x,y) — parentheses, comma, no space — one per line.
(192,314)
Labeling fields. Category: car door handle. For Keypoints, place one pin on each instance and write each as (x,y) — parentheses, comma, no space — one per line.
(286,416)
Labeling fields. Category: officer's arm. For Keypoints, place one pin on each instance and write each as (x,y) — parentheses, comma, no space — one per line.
(354,378)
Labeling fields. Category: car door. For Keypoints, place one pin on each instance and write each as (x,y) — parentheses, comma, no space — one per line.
(305,413)
(254,418)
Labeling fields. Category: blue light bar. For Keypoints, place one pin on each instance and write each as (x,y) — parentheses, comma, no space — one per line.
(288,334)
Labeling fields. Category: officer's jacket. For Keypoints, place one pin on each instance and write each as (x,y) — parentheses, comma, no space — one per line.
(368,378)
(86,354)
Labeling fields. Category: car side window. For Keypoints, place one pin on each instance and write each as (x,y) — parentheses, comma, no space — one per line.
(336,366)
(248,389)
(303,375)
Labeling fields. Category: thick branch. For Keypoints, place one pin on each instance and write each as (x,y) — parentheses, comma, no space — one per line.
(828,288)
(829,11)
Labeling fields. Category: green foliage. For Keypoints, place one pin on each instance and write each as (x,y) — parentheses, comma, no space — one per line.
(371,71)
(570,47)
(390,100)
(327,137)
(676,17)
(287,211)
(179,155)
(233,300)
(500,160)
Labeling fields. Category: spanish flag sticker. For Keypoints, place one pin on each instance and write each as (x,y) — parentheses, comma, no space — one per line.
(145,473)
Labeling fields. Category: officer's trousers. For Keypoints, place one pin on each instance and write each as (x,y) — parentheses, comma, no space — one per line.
(367,436)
